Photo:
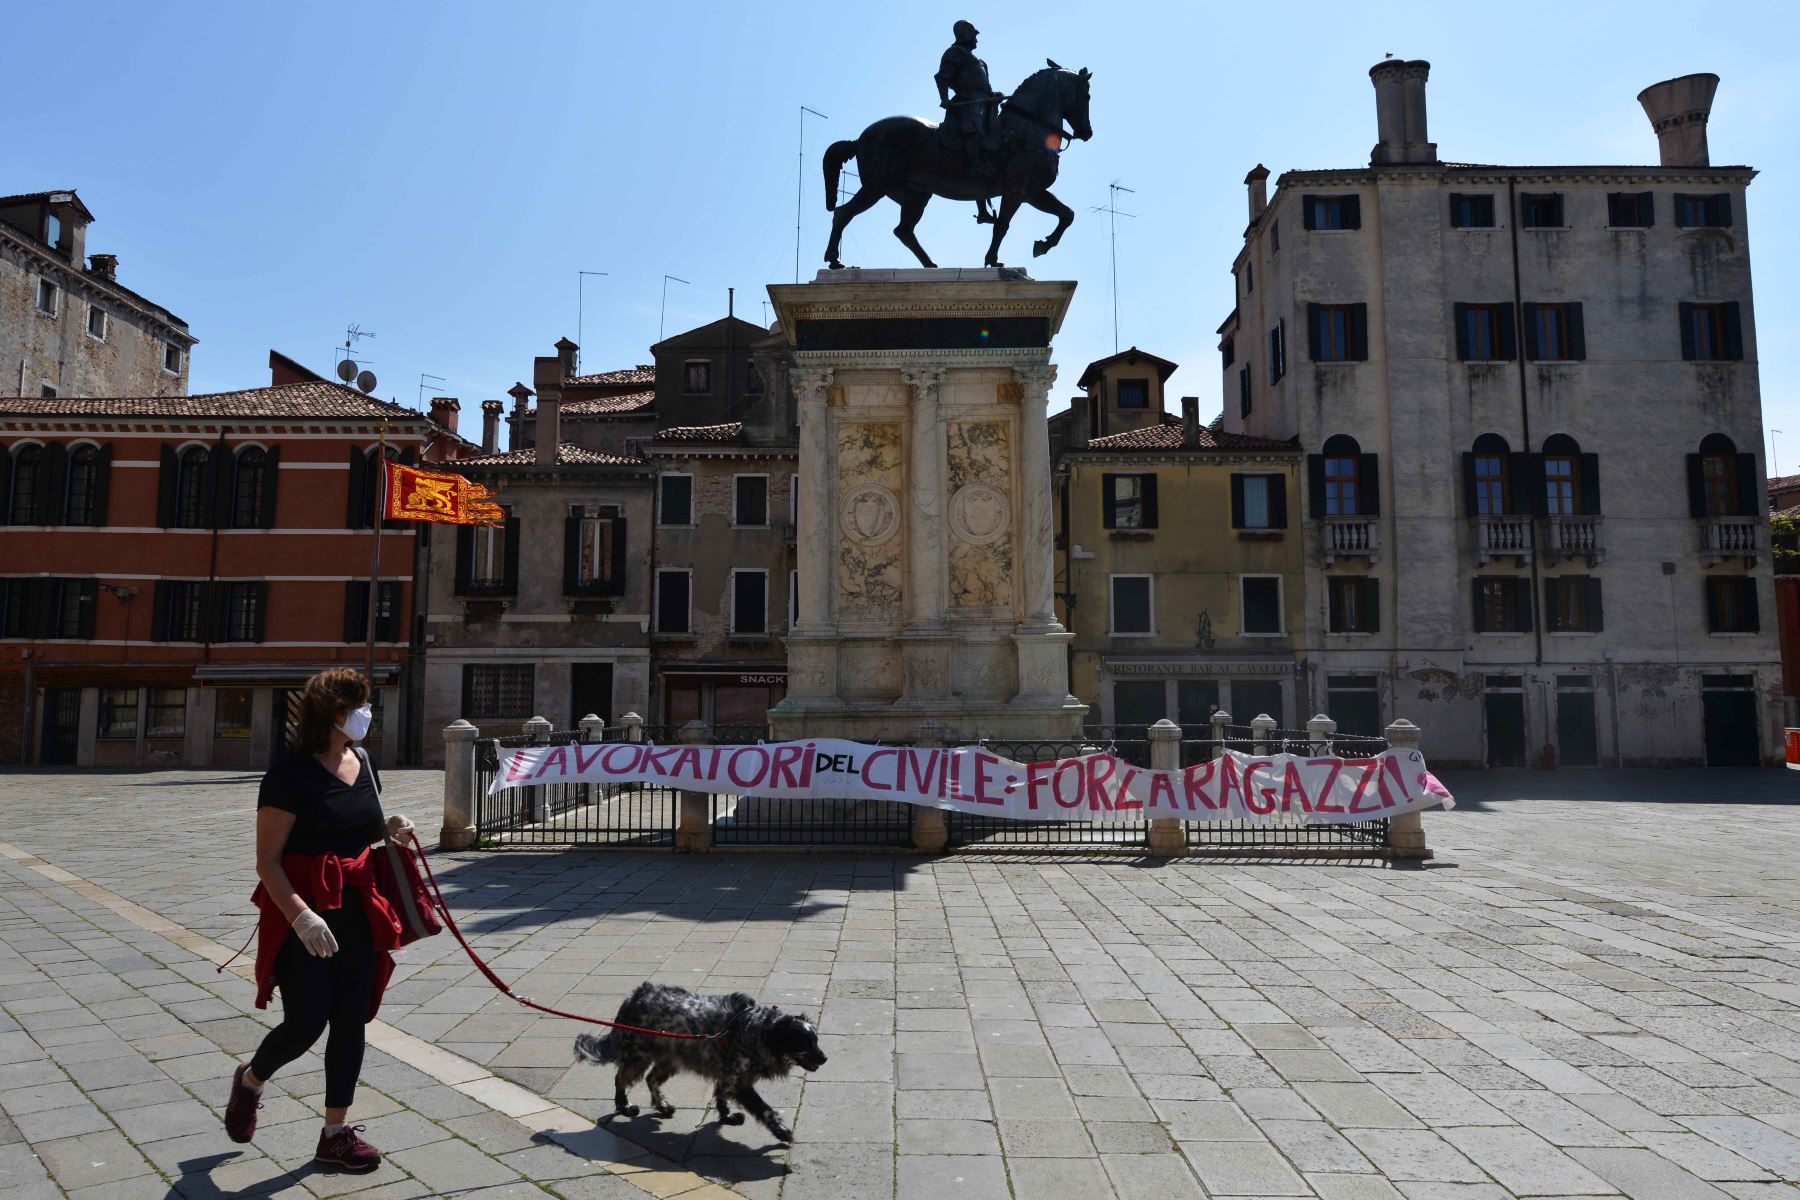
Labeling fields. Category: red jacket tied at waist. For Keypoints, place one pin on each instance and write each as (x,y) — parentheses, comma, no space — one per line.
(320,880)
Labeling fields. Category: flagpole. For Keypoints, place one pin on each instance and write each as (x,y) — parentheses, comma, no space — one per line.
(381,473)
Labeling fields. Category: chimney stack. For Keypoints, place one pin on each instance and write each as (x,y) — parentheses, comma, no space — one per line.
(1095,412)
(548,375)
(1678,109)
(1257,180)
(565,353)
(1401,131)
(1190,422)
(106,266)
(516,434)
(444,410)
(490,425)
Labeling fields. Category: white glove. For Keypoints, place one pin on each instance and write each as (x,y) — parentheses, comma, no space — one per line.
(401,829)
(315,934)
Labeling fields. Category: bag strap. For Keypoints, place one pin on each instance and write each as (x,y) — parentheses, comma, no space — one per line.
(396,862)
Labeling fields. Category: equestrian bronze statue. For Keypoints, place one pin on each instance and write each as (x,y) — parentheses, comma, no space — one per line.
(1012,158)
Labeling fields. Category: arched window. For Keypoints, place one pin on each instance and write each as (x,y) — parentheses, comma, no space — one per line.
(1343,477)
(1718,474)
(27,486)
(1562,476)
(1491,471)
(81,500)
(190,489)
(249,491)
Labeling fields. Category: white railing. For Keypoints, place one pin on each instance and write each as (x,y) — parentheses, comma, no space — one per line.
(1574,537)
(1349,537)
(1499,537)
(1730,537)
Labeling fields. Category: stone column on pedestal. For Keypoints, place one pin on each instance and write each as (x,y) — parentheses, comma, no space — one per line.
(812,650)
(925,643)
(1040,638)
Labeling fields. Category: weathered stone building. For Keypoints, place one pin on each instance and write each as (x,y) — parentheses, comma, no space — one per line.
(1470,352)
(68,327)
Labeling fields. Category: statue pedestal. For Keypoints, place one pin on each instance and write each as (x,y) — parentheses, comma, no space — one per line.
(925,531)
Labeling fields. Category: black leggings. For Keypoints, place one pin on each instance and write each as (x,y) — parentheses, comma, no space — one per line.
(316,992)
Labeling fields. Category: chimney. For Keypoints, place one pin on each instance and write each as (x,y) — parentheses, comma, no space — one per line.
(1094,413)
(1678,109)
(106,266)
(516,433)
(547,374)
(490,425)
(444,410)
(1258,183)
(1190,422)
(1077,432)
(566,351)
(1400,112)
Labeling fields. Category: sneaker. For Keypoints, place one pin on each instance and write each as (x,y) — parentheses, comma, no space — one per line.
(240,1110)
(346,1151)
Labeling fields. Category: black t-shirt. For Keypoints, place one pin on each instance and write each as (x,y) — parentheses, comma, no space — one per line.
(330,816)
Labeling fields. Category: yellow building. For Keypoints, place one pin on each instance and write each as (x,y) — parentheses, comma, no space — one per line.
(1178,557)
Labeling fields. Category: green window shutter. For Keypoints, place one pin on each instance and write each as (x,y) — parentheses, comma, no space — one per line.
(1689,348)
(1308,212)
(167,480)
(260,589)
(1371,589)
(1590,485)
(159,612)
(356,501)
(1359,332)
(1277,486)
(571,555)
(52,493)
(1368,489)
(1647,208)
(1712,585)
(1149,486)
(1749,490)
(465,557)
(1509,334)
(1352,212)
(1552,606)
(512,556)
(1470,507)
(1596,621)
(1237,501)
(1477,609)
(1314,335)
(271,480)
(1696,480)
(1461,320)
(1577,336)
(1734,332)
(1522,603)
(356,611)
(90,603)
(615,579)
(1334,604)
(1533,350)
(1747,602)
(1109,501)
(1722,208)
(221,474)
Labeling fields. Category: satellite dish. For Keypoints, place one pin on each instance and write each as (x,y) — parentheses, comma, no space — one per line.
(366,381)
(346,370)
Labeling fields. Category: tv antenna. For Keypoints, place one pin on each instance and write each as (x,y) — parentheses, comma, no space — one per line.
(800,183)
(662,316)
(347,368)
(433,383)
(580,298)
(1113,212)
(1774,458)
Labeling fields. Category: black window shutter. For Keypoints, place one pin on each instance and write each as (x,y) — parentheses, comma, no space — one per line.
(465,556)
(1109,501)
(5,483)
(1595,615)
(221,474)
(356,610)
(1749,494)
(356,505)
(1682,209)
(41,607)
(1522,603)
(1462,331)
(1313,339)
(1647,208)
(1368,486)
(1309,212)
(1352,212)
(159,612)
(52,496)
(1371,589)
(571,555)
(215,611)
(1538,495)
(1520,502)
(1696,487)
(166,482)
(1334,603)
(1277,485)
(615,577)
(1533,351)
(512,556)
(1747,602)
(1149,486)
(1359,332)
(102,483)
(1685,312)
(1613,206)
(1712,585)
(1315,484)
(90,603)
(271,479)
(1590,485)
(1734,332)
(1552,609)
(1478,610)
(1470,508)
(260,591)
(1509,336)
(1237,501)
(1577,335)
(1722,208)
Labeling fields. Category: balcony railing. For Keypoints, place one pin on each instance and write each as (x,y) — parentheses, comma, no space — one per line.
(1502,537)
(1573,537)
(1730,537)
(1350,537)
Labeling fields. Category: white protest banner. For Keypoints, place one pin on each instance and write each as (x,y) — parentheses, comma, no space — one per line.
(1264,789)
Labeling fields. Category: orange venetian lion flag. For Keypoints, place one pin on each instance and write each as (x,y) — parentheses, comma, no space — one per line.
(415,495)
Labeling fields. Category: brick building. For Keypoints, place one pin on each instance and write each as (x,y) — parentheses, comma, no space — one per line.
(67,325)
(171,566)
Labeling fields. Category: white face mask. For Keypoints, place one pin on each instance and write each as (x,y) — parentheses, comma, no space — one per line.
(356,725)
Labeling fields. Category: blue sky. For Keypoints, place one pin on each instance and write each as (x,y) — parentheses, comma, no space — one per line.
(439,173)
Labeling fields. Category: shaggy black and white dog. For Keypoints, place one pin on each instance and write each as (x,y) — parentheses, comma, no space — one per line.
(747,1043)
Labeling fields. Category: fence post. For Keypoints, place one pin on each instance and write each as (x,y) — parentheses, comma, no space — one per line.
(1261,726)
(1320,730)
(1406,832)
(633,725)
(458,832)
(1221,723)
(1166,834)
(930,830)
(693,818)
(593,729)
(538,730)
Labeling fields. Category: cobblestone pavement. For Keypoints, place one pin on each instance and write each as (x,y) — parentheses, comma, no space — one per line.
(1591,992)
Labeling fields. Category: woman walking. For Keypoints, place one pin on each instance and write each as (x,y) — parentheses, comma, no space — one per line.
(326,935)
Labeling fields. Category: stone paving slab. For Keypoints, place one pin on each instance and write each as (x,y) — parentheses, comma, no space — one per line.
(1590,992)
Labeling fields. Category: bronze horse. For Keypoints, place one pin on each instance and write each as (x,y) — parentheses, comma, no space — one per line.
(907,160)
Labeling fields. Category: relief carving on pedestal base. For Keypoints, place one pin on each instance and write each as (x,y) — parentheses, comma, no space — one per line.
(979,479)
(871,551)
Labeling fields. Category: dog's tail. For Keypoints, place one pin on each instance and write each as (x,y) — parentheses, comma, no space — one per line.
(597,1048)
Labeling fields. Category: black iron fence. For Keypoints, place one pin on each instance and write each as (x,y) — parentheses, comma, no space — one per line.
(568,814)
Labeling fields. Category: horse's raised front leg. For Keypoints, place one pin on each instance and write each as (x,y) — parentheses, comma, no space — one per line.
(1043,201)
(912,207)
(1009,204)
(862,202)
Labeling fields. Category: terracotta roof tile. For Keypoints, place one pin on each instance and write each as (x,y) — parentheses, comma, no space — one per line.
(702,433)
(567,454)
(638,375)
(1782,483)
(295,400)
(629,402)
(1167,436)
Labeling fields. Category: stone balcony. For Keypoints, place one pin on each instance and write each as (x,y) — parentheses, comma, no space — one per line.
(1349,537)
(1573,537)
(1730,537)
(1502,537)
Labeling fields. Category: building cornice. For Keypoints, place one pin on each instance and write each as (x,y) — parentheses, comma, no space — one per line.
(76,281)
(399,430)
(740,452)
